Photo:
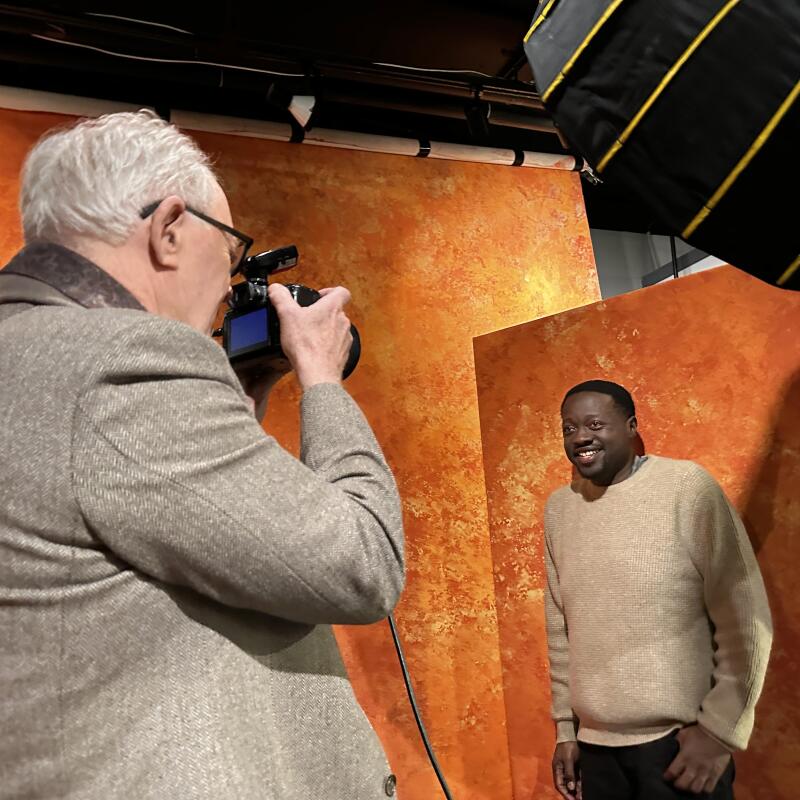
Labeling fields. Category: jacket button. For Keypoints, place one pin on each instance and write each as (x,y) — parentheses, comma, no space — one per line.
(389,785)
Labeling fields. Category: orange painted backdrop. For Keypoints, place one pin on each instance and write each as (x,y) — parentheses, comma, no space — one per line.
(434,253)
(713,362)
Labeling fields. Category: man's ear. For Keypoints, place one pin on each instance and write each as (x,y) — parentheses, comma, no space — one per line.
(633,427)
(168,232)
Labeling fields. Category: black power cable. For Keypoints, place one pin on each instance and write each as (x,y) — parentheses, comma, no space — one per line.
(674,257)
(417,717)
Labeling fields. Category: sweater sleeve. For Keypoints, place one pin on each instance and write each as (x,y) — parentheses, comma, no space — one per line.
(557,641)
(736,602)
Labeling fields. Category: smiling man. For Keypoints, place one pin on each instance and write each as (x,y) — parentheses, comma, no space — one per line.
(658,623)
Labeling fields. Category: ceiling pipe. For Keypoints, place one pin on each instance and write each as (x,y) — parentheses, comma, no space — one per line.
(439,108)
(349,140)
(29,100)
(52,32)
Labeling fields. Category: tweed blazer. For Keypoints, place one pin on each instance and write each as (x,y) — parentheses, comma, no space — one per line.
(168,573)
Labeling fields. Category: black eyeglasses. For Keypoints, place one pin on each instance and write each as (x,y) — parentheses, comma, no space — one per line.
(243,241)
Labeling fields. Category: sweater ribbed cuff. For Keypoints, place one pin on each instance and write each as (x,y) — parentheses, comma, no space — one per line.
(705,723)
(565,731)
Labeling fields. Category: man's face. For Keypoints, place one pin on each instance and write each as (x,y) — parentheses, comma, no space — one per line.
(598,437)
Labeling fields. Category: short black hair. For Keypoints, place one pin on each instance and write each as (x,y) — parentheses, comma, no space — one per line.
(619,394)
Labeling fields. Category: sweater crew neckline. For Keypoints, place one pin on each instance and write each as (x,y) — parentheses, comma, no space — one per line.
(591,492)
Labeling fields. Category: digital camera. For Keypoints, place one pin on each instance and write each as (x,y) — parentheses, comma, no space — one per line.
(251,334)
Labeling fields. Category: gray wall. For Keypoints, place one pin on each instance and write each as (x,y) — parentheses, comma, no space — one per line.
(624,258)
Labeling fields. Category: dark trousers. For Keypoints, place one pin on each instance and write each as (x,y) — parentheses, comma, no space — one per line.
(637,773)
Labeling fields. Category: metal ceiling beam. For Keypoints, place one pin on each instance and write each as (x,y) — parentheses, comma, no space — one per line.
(81,31)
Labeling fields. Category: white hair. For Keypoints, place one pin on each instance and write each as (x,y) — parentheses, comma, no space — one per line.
(93,179)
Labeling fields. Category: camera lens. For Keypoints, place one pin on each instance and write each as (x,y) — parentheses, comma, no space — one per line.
(245,293)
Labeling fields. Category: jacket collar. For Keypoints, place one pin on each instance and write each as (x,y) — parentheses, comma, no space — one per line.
(71,275)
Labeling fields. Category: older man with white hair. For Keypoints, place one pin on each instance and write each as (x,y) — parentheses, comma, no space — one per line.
(169,574)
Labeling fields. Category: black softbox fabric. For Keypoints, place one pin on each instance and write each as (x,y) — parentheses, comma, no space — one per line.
(692,107)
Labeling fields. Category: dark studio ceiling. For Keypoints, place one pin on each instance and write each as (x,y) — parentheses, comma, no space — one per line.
(436,69)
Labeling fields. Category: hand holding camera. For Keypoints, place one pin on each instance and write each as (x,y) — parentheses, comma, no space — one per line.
(272,328)
(316,339)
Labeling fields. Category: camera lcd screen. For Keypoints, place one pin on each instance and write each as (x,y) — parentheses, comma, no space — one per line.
(248,331)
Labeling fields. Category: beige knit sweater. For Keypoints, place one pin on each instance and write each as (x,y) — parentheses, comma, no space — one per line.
(657,615)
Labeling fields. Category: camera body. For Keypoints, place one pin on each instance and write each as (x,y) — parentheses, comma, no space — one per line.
(250,330)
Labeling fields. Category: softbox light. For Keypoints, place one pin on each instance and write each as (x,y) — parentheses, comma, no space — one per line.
(692,107)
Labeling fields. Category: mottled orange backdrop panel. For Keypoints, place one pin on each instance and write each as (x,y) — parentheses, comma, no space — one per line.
(434,253)
(713,362)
